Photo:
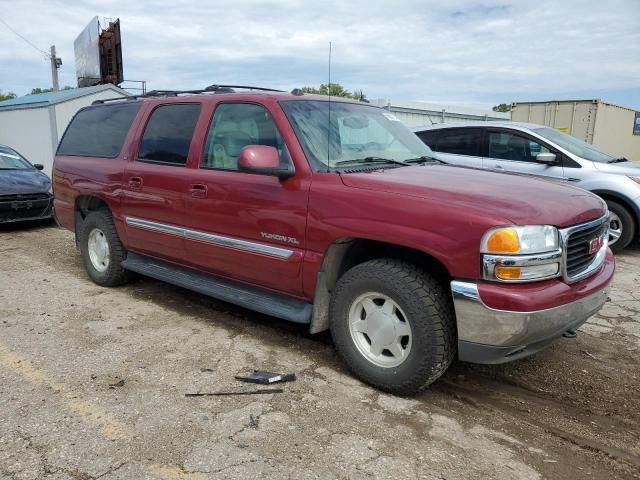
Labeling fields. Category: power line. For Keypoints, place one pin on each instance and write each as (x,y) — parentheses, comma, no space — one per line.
(47,55)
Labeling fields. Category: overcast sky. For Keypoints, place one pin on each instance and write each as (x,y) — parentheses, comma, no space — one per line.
(464,52)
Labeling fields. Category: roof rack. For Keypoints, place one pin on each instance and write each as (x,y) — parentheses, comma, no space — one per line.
(174,93)
(122,99)
(210,89)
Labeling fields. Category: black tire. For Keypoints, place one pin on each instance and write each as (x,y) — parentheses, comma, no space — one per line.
(628,226)
(114,274)
(428,309)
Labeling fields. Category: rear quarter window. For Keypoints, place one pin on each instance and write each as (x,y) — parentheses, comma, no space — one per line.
(99,131)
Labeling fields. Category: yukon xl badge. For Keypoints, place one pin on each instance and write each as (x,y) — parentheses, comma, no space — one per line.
(280,238)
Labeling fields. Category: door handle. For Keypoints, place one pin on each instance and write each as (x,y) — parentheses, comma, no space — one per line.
(198,190)
(135,182)
(499,167)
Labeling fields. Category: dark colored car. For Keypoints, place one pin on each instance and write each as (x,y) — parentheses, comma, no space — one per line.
(334,215)
(25,191)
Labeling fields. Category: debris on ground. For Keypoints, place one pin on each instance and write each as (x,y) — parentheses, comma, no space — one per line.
(266,378)
(239,392)
(253,421)
(117,385)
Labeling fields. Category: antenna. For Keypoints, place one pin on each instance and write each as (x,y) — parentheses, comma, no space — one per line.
(329,122)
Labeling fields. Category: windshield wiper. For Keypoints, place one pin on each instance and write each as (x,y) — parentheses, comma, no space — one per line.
(618,160)
(424,159)
(357,161)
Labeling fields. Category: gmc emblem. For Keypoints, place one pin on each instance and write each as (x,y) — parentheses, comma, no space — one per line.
(595,245)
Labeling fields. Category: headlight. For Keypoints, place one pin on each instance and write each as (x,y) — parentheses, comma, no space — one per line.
(521,254)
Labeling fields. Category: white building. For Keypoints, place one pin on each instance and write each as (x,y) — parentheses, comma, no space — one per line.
(34,124)
(419,114)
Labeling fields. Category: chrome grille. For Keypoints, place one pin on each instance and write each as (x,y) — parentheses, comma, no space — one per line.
(579,260)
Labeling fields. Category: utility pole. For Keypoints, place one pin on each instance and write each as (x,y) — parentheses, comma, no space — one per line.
(55,64)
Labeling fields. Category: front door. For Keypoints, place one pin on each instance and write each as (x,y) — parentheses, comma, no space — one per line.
(246,226)
(510,151)
(156,183)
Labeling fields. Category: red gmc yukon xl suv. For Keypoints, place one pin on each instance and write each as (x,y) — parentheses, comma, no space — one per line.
(333,214)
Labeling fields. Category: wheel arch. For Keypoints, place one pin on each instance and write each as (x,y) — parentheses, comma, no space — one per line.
(346,253)
(84,204)
(625,202)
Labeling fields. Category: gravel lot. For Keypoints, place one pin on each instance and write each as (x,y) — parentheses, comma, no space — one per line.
(571,412)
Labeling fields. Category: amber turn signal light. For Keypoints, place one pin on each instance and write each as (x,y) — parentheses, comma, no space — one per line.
(508,273)
(504,240)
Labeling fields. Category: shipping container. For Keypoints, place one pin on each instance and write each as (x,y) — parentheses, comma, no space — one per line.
(611,128)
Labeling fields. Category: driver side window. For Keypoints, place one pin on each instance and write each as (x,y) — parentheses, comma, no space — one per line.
(235,126)
(509,146)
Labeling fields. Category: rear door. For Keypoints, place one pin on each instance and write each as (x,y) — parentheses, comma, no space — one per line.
(515,151)
(459,146)
(156,181)
(242,225)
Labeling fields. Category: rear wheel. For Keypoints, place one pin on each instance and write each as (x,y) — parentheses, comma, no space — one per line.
(101,249)
(393,325)
(621,226)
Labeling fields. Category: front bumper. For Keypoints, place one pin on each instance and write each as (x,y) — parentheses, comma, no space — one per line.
(31,207)
(488,335)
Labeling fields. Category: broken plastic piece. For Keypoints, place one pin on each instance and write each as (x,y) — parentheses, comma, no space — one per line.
(266,378)
(240,392)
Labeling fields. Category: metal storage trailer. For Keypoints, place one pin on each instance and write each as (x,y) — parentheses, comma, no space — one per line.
(607,126)
(419,114)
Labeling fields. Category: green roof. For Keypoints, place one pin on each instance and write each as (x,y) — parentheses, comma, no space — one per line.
(51,98)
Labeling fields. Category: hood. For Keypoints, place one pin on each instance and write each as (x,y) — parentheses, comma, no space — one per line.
(519,199)
(622,168)
(23,181)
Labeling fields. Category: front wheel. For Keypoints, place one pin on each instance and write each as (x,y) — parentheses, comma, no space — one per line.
(393,325)
(621,226)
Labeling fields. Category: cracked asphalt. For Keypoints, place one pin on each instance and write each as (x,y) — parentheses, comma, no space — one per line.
(93,383)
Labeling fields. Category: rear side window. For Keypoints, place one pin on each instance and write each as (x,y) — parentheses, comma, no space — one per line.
(429,137)
(99,131)
(460,141)
(168,134)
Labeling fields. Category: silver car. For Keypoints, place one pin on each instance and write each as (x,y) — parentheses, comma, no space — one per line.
(546,152)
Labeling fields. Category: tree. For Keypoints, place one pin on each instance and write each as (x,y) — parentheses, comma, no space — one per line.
(337,90)
(35,91)
(503,107)
(6,96)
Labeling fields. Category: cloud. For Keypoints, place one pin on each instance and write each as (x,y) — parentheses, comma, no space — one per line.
(456,51)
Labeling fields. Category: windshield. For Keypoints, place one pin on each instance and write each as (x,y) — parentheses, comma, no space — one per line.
(573,145)
(11,160)
(358,135)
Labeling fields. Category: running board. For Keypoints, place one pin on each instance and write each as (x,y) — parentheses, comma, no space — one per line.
(262,301)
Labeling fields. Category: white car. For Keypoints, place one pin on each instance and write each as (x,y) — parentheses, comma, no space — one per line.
(544,151)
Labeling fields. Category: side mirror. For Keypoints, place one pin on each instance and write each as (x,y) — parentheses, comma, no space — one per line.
(38,166)
(263,160)
(547,158)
